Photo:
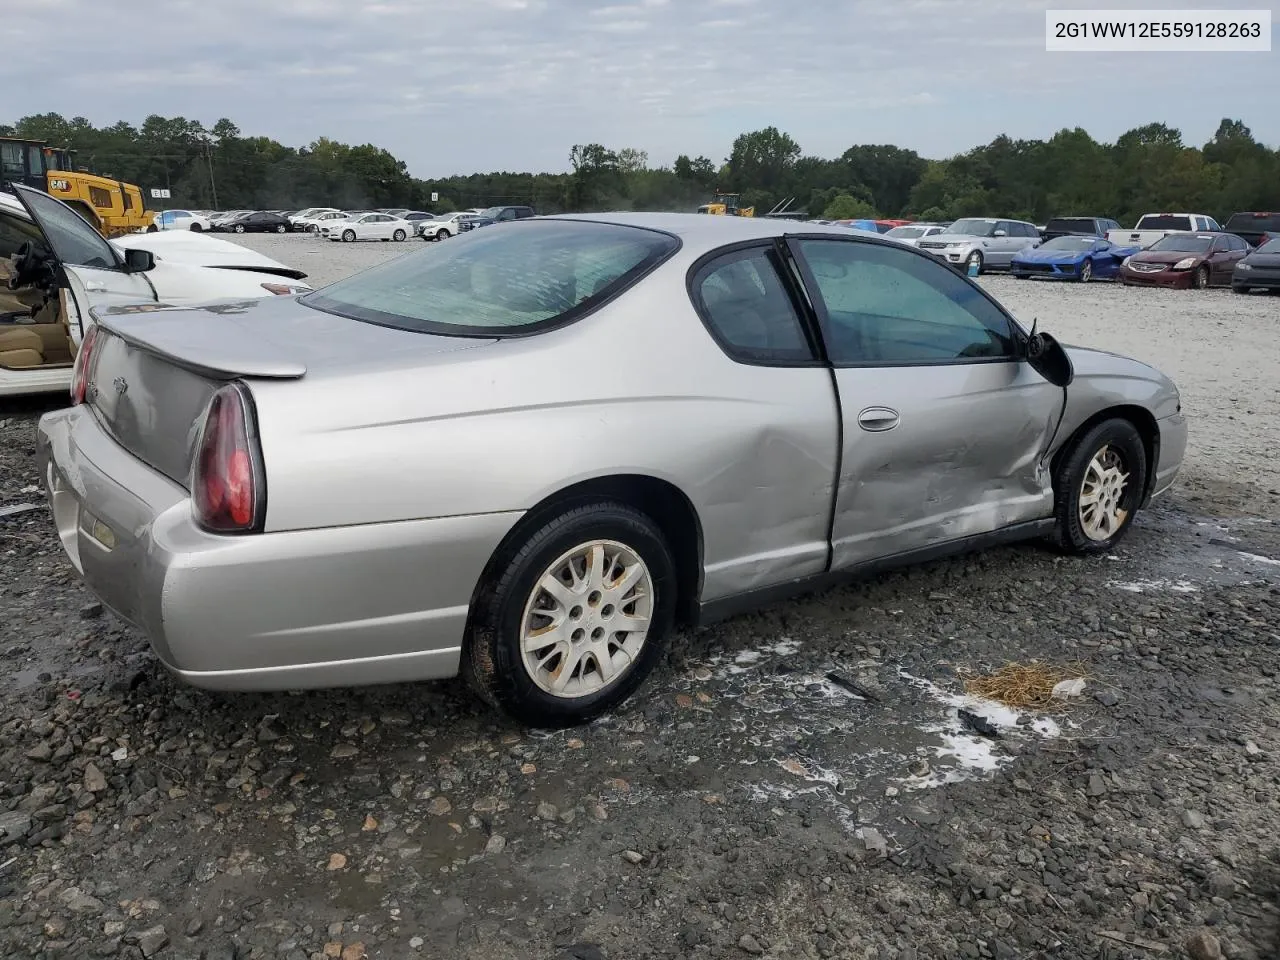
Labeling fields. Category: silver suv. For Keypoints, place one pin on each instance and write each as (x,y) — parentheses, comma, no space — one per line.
(986,242)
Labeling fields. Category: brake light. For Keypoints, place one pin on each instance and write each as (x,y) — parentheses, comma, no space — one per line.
(227,488)
(80,372)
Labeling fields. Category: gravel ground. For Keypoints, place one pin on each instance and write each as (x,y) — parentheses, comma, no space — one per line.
(794,783)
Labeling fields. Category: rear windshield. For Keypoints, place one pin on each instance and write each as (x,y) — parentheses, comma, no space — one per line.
(1183,243)
(512,279)
(1157,222)
(906,233)
(1072,225)
(1253,223)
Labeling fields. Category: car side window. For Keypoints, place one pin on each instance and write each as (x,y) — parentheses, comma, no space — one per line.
(888,306)
(1220,244)
(741,298)
(1026,230)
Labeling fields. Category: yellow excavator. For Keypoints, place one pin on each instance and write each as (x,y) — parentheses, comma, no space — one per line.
(111,206)
(727,204)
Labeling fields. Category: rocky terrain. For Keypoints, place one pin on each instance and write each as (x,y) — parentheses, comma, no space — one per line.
(806,781)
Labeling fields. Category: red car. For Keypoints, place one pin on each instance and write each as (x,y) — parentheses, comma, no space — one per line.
(1185,260)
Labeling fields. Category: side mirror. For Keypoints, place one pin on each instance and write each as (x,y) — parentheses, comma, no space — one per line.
(1000,233)
(1048,358)
(139,261)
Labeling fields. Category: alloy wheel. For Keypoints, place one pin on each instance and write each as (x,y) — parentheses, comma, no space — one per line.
(587,619)
(1103,509)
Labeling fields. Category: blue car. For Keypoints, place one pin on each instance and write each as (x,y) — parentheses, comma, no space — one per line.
(1071,258)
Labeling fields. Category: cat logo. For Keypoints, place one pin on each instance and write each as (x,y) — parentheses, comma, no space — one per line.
(59,185)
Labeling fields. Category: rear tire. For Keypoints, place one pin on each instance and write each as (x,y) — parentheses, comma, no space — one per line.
(280,228)
(579,630)
(196,228)
(398,236)
(1098,487)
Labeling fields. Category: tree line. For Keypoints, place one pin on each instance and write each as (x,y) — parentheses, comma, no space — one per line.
(1147,169)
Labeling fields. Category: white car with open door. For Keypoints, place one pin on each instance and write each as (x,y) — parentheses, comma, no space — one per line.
(54,267)
(367,226)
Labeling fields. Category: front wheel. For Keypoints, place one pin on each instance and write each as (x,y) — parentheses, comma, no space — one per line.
(1086,271)
(572,621)
(974,261)
(1202,278)
(398,236)
(443,235)
(239,228)
(196,228)
(1098,487)
(348,236)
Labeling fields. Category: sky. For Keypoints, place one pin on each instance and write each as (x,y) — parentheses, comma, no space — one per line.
(463,86)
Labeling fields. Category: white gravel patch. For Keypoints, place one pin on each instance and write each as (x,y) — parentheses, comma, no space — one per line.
(1222,349)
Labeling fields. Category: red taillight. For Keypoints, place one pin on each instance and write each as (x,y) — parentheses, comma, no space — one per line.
(226,483)
(80,372)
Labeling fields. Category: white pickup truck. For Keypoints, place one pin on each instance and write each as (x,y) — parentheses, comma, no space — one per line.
(1153,226)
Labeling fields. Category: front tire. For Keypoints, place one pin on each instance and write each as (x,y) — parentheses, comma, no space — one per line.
(1201,280)
(443,235)
(348,236)
(973,259)
(572,621)
(1098,487)
(239,228)
(1086,271)
(196,228)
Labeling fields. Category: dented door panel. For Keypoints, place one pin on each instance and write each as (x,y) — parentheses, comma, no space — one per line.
(965,456)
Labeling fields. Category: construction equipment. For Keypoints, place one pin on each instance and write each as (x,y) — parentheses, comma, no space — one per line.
(111,206)
(727,204)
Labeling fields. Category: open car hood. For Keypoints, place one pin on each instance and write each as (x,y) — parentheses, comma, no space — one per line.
(199,250)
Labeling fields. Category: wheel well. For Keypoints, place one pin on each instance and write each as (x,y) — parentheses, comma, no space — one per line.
(1142,420)
(662,502)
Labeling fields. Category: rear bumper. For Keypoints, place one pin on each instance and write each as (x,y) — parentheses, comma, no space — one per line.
(345,606)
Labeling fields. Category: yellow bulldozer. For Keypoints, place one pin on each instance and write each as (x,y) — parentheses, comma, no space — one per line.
(727,205)
(111,206)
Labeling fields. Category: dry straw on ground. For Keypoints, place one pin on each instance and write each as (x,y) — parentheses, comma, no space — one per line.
(1022,685)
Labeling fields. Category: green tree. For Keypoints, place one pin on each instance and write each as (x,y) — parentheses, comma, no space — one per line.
(845,207)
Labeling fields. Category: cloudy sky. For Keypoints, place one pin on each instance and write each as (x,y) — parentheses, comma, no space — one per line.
(457,86)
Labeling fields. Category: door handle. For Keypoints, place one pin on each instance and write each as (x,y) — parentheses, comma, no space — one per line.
(878,419)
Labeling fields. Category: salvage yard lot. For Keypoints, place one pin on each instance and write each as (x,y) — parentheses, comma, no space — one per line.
(790,783)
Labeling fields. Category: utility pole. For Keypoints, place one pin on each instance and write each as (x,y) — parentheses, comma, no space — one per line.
(208,154)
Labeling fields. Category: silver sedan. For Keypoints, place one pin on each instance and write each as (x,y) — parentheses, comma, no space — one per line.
(528,454)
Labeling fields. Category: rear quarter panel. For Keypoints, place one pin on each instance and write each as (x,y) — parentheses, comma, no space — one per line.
(639,387)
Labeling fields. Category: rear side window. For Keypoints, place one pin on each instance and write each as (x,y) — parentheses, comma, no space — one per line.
(741,298)
(513,281)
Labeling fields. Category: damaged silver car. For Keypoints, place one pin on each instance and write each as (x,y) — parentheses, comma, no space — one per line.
(527,455)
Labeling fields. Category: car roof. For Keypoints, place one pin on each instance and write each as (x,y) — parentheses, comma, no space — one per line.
(712,230)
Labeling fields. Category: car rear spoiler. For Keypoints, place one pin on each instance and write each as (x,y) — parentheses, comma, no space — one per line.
(215,345)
